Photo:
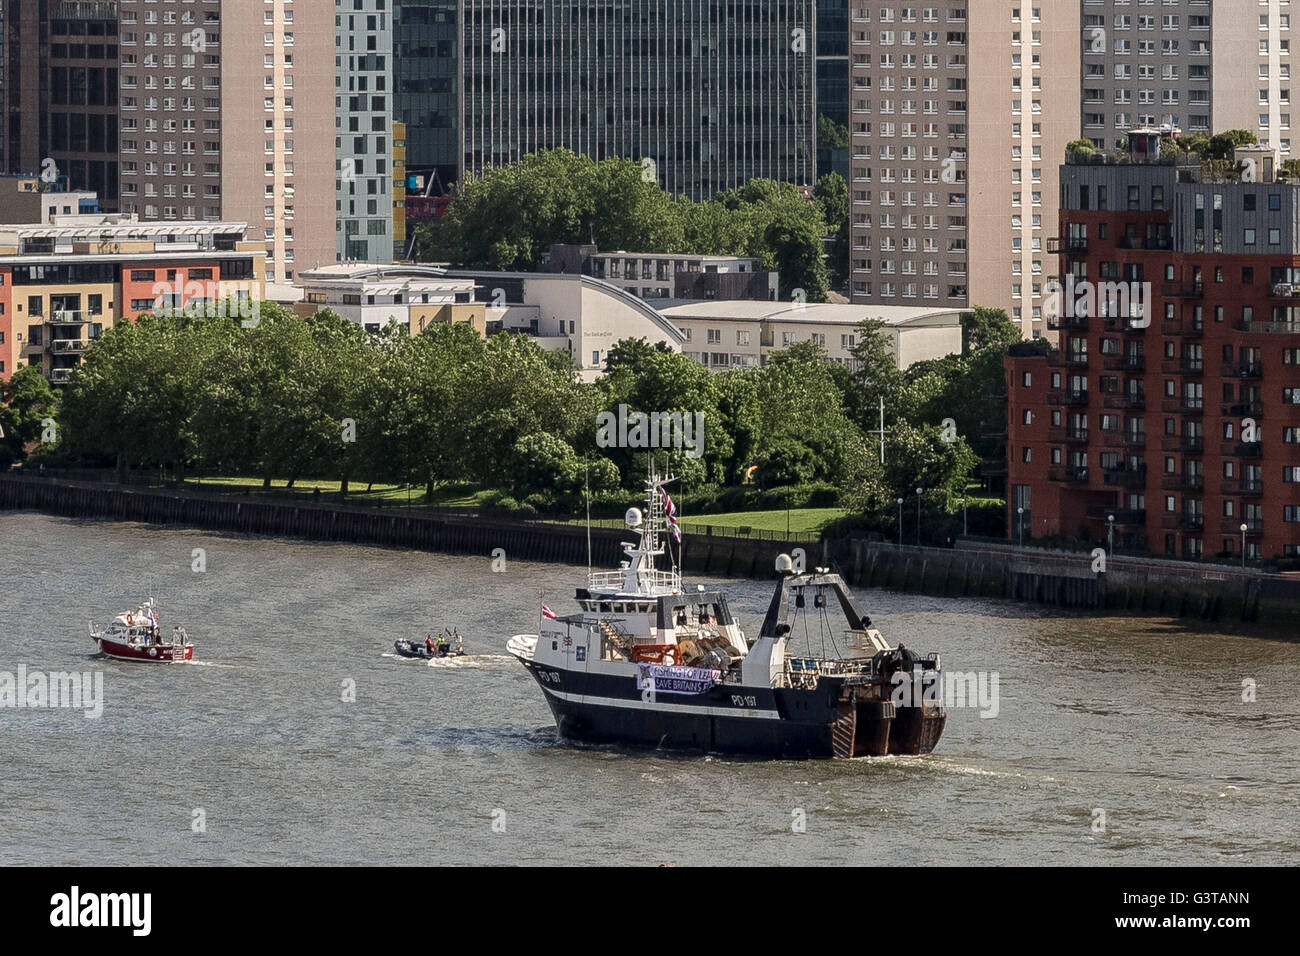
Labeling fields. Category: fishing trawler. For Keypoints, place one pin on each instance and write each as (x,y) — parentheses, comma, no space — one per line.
(646,663)
(137,636)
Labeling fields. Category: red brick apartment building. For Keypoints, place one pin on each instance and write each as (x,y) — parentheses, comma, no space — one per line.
(1176,413)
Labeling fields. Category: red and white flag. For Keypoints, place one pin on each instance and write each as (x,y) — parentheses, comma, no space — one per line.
(548,613)
(670,512)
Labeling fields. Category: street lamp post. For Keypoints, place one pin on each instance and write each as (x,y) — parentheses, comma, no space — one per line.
(918,516)
(1021,522)
(1243,545)
(965,525)
(1110,539)
(900,522)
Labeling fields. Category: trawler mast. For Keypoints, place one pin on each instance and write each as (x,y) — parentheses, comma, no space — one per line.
(638,574)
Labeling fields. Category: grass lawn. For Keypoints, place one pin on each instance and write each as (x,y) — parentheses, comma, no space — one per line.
(449,496)
(801,519)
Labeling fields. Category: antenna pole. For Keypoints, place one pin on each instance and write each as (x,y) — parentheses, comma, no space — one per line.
(882,429)
(586,482)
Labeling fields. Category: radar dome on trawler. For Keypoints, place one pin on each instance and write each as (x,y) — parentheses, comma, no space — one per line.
(633,518)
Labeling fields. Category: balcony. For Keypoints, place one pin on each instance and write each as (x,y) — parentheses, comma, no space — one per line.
(1073,396)
(1129,400)
(1254,526)
(1072,475)
(1184,406)
(68,317)
(1126,477)
(1271,328)
(1244,410)
(1250,489)
(1189,329)
(1285,290)
(1245,449)
(1123,516)
(1183,483)
(1076,359)
(1183,366)
(1073,435)
(60,376)
(1076,322)
(1125,363)
(1187,444)
(68,345)
(1246,370)
(1192,523)
(1145,242)
(1183,290)
(1071,244)
(993,467)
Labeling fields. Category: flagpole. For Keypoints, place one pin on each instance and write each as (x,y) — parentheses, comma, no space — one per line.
(681,542)
(587,488)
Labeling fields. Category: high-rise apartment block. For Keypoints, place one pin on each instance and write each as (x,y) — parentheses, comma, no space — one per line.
(228,112)
(363,131)
(1195,65)
(958,112)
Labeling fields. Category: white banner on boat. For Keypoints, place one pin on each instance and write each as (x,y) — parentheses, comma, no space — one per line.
(675,679)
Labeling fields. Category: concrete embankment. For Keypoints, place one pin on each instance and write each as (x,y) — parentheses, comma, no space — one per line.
(1128,585)
(1135,586)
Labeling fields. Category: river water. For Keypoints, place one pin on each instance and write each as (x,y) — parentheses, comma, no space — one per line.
(253,756)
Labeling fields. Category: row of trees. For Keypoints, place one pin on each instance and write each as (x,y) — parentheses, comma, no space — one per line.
(319,397)
(508,218)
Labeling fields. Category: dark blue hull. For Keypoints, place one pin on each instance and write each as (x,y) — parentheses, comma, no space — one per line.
(829,720)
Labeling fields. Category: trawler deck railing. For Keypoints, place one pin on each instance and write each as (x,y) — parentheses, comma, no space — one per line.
(658,580)
(814,665)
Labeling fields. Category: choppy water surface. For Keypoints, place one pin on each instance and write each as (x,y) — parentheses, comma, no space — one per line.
(1141,718)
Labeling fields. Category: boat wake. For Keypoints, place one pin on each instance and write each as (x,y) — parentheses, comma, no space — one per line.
(211,664)
(470,661)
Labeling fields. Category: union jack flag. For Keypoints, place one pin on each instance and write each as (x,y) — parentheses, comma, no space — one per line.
(548,613)
(670,512)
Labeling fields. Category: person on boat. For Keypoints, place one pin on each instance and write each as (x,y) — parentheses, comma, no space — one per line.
(442,643)
(428,643)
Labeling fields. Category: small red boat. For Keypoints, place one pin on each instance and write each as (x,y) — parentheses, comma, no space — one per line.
(137,636)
